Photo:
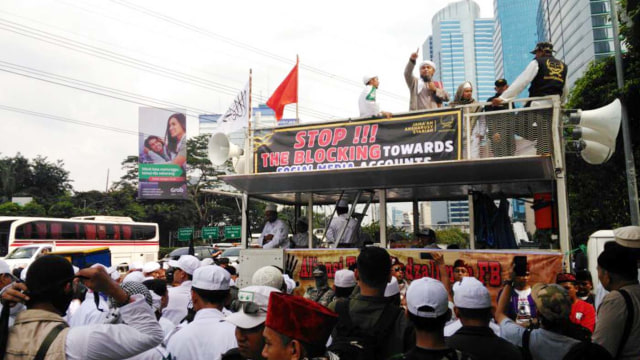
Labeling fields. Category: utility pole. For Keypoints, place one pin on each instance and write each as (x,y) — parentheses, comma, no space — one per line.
(626,135)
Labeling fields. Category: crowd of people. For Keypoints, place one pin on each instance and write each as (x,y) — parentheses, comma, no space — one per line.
(369,312)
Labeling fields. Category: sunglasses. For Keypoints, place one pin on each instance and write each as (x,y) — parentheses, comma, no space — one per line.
(398,269)
(251,308)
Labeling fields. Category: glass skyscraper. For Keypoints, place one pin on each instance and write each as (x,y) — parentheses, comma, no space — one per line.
(516,34)
(462,48)
(580,31)
(485,74)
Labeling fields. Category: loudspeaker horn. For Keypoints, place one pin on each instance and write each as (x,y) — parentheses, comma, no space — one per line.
(221,149)
(599,128)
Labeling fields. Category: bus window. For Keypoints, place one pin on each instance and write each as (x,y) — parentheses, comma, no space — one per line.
(56,230)
(69,231)
(90,231)
(41,228)
(5,227)
(143,232)
(116,232)
(126,232)
(102,232)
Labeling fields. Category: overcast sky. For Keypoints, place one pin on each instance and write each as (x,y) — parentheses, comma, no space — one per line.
(194,55)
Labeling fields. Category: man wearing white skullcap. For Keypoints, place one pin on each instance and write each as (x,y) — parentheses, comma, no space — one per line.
(343,221)
(275,231)
(367,103)
(425,93)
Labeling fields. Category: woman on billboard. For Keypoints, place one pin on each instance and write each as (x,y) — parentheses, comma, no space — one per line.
(176,139)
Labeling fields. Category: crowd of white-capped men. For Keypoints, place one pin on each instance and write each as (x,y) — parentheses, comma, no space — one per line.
(193,310)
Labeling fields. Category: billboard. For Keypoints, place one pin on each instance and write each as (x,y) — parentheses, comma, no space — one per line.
(491,267)
(162,154)
(406,139)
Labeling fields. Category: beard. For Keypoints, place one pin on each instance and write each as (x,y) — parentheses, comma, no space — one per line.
(425,78)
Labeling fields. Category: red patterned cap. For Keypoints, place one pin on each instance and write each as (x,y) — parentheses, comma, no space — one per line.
(300,319)
(565,277)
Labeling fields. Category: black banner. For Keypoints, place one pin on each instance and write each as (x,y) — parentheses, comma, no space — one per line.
(407,139)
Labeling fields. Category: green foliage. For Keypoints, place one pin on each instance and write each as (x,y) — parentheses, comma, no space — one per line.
(43,180)
(33,209)
(453,236)
(10,209)
(63,209)
(598,197)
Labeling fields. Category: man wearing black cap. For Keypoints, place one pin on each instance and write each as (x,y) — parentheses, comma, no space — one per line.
(502,134)
(546,74)
(618,324)
(500,87)
(427,239)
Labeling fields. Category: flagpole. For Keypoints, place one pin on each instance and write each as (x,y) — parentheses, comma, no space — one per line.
(297,91)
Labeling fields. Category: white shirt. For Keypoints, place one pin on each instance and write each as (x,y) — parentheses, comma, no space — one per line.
(279,230)
(179,299)
(524,79)
(207,337)
(88,313)
(367,102)
(139,332)
(337,223)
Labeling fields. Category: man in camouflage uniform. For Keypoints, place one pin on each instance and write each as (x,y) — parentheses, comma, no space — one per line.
(322,293)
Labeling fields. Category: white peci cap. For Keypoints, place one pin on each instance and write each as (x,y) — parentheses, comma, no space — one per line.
(270,207)
(469,293)
(392,287)
(430,63)
(343,203)
(367,78)
(427,298)
(628,236)
(150,267)
(268,276)
(211,277)
(344,278)
(250,316)
(186,263)
(135,276)
(4,267)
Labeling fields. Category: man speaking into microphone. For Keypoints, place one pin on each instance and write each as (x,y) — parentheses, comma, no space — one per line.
(425,93)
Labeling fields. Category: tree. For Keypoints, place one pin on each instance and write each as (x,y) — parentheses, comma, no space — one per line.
(598,196)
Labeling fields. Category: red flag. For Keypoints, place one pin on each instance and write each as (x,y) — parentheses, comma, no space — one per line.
(286,93)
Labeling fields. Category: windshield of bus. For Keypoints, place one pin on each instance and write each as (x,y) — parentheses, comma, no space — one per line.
(5,226)
(22,253)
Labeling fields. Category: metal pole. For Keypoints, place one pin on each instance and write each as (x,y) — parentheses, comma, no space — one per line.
(382,222)
(626,136)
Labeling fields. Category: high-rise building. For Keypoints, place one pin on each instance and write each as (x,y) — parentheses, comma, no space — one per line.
(516,34)
(458,211)
(580,31)
(485,69)
(461,46)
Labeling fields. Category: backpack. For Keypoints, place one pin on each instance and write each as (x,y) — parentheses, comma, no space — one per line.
(353,343)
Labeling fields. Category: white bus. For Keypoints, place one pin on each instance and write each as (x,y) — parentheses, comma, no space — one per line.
(128,241)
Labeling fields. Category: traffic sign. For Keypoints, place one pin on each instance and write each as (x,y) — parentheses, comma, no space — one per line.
(232,232)
(210,233)
(185,234)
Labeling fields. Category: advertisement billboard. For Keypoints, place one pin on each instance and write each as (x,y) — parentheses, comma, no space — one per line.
(162,154)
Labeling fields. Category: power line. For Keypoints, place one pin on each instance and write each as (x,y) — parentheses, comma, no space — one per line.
(47,77)
(245,46)
(69,120)
(131,62)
